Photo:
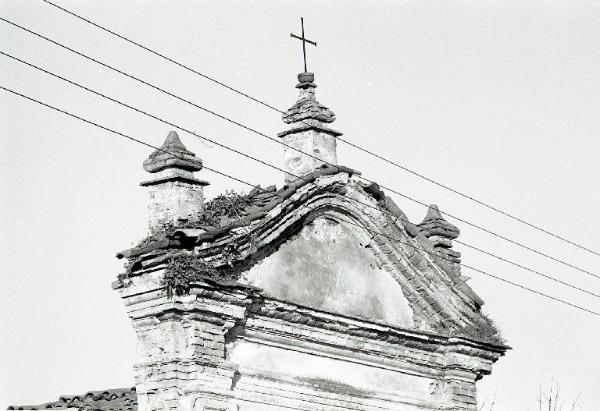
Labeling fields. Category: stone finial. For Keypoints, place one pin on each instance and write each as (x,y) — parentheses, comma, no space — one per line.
(441,233)
(306,79)
(175,195)
(307,107)
(172,154)
(309,132)
(434,224)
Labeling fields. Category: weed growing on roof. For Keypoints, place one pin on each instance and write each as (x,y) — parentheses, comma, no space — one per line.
(481,329)
(218,212)
(225,207)
(183,270)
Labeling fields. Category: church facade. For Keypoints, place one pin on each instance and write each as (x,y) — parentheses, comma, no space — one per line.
(319,295)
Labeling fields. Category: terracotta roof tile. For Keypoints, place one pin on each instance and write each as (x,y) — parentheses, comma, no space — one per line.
(117,399)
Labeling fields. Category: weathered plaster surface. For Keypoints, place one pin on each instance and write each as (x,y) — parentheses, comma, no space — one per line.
(171,201)
(317,370)
(327,267)
(321,145)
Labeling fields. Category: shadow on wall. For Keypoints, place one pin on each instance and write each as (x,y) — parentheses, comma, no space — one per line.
(327,267)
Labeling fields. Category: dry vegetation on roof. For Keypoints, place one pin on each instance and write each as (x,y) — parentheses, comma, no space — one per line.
(218,212)
(184,269)
(482,329)
(225,207)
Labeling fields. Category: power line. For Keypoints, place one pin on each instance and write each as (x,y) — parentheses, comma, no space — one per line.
(531,270)
(278,141)
(356,146)
(436,255)
(273,166)
(163,57)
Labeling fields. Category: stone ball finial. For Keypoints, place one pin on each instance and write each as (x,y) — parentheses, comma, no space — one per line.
(306,77)
(306,83)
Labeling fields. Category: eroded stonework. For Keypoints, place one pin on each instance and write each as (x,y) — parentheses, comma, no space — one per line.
(309,142)
(174,194)
(293,322)
(226,347)
(320,295)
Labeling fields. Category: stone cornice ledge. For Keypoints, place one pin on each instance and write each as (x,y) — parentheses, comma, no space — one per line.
(146,297)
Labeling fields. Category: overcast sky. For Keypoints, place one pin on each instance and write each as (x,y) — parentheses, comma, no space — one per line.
(497,99)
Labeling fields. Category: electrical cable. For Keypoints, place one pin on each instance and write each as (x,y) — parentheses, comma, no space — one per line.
(356,146)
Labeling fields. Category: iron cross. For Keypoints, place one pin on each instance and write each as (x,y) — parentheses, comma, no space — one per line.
(304,41)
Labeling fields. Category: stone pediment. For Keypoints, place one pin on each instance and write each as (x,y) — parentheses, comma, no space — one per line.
(331,243)
(319,295)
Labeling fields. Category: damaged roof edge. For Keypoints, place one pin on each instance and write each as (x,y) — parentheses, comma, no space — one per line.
(115,399)
(189,236)
(282,194)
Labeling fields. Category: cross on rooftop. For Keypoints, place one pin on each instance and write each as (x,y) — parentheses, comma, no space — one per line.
(304,41)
